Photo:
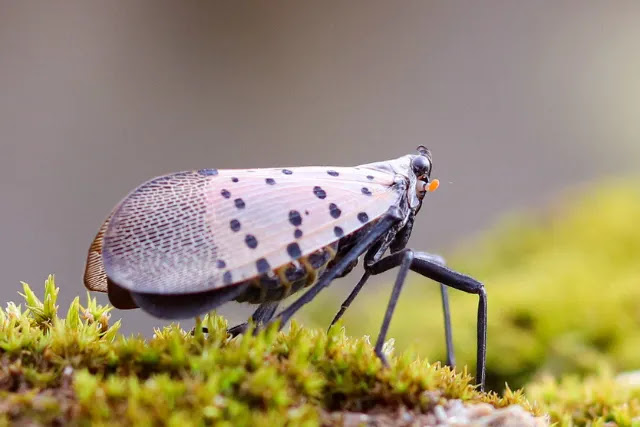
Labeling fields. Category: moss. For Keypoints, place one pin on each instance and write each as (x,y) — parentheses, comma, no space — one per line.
(80,370)
(595,400)
(564,293)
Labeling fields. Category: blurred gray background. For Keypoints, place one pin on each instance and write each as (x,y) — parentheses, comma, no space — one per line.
(517,100)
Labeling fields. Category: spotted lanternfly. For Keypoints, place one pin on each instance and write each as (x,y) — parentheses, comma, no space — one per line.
(183,244)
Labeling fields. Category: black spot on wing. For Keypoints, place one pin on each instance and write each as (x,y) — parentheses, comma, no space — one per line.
(221,264)
(234,179)
(294,218)
(262,265)
(270,181)
(333,173)
(225,193)
(251,241)
(293,249)
(227,279)
(239,203)
(297,234)
(287,171)
(338,231)
(334,210)
(234,224)
(366,191)
(370,177)
(363,217)
(319,192)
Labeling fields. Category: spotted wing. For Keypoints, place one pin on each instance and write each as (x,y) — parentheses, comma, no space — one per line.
(194,231)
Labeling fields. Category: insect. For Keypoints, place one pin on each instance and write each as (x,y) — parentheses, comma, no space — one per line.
(182,244)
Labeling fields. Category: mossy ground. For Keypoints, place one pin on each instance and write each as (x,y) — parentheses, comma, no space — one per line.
(598,400)
(80,370)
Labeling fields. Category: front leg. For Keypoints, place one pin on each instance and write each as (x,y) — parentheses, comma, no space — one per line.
(425,265)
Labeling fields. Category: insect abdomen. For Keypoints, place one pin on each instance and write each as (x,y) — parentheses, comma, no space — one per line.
(305,271)
(290,278)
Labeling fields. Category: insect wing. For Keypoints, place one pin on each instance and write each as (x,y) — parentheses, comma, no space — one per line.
(194,231)
(95,278)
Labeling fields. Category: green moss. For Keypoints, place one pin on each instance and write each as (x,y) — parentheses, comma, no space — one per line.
(80,370)
(595,400)
(564,293)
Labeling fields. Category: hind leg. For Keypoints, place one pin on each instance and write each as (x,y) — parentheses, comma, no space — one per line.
(262,315)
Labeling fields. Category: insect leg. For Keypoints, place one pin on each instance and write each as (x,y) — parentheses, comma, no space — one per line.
(444,294)
(448,334)
(263,314)
(425,265)
(373,254)
(451,359)
(382,227)
(405,264)
(351,297)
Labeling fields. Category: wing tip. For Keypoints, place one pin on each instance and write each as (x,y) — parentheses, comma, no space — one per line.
(95,278)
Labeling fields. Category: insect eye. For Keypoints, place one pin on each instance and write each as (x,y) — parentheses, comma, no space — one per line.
(421,166)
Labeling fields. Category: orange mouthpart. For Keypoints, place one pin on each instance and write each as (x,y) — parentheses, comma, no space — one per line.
(433,185)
